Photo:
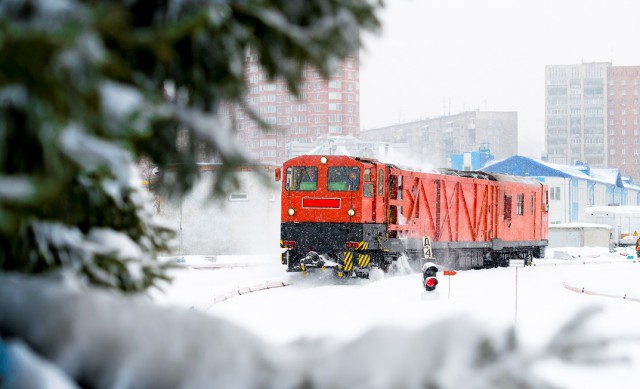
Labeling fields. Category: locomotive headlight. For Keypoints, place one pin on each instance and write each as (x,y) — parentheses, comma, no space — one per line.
(351,212)
(291,211)
(323,160)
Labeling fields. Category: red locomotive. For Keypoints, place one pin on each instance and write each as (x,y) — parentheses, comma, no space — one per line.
(352,214)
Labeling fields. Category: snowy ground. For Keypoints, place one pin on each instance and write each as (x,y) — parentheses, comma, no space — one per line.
(532,299)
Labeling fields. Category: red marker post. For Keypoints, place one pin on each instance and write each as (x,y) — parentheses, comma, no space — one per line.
(449,273)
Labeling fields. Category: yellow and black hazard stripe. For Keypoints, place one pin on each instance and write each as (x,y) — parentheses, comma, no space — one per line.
(364,260)
(362,246)
(348,261)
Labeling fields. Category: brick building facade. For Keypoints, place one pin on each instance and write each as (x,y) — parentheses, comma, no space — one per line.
(325,107)
(592,115)
(623,105)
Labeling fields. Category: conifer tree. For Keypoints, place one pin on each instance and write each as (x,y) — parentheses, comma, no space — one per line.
(87,87)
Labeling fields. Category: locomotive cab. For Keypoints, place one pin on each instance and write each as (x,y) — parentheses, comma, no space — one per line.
(330,206)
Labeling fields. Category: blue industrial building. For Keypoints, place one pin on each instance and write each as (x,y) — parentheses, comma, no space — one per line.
(572,188)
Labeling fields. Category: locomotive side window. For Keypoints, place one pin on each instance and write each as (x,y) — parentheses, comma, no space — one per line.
(368,189)
(380,182)
(303,178)
(343,178)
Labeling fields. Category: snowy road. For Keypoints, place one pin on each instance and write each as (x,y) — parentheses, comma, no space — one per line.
(531,298)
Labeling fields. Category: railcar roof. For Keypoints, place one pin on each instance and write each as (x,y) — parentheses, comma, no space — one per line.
(508,178)
(451,172)
(489,176)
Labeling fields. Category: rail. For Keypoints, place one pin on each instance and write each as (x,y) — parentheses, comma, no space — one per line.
(250,289)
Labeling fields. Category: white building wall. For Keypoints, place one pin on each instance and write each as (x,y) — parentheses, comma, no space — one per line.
(583,199)
(600,194)
(558,208)
(632,197)
(247,221)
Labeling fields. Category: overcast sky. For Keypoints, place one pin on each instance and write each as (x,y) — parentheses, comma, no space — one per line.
(436,57)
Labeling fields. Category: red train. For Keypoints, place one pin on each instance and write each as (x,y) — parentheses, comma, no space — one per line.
(352,214)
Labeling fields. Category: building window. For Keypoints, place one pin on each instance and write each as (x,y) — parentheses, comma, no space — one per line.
(237,196)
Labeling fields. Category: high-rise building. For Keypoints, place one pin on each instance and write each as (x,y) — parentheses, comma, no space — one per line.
(433,141)
(324,108)
(623,108)
(576,113)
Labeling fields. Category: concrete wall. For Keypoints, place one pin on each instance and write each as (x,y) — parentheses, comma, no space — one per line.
(564,235)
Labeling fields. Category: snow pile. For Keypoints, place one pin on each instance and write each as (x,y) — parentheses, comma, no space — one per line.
(105,340)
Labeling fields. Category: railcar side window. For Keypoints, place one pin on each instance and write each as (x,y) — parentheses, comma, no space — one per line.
(546,202)
(520,204)
(343,178)
(507,208)
(532,202)
(303,178)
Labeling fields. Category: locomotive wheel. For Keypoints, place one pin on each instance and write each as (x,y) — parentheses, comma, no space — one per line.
(386,261)
(528,259)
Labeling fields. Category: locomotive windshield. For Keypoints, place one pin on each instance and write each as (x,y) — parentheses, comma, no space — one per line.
(343,178)
(302,178)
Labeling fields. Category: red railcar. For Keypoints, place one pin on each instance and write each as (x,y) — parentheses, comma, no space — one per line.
(360,213)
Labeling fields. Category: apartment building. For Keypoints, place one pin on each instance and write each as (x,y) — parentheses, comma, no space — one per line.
(576,113)
(433,141)
(324,107)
